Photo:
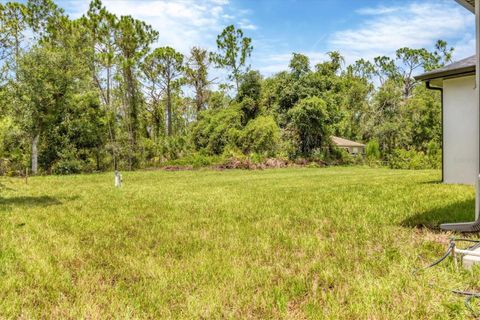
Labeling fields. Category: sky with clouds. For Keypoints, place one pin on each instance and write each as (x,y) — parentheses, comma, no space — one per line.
(358,29)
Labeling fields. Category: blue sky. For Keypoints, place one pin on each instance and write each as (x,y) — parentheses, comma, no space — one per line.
(358,29)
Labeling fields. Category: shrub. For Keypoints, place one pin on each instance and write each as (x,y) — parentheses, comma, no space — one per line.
(257,158)
(313,165)
(372,150)
(174,147)
(249,108)
(434,154)
(218,100)
(261,135)
(318,155)
(67,166)
(288,146)
(346,158)
(149,149)
(250,86)
(14,157)
(216,129)
(310,120)
(339,156)
(196,160)
(408,159)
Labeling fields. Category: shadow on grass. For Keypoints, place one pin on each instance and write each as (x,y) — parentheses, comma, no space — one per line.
(30,201)
(436,181)
(462,211)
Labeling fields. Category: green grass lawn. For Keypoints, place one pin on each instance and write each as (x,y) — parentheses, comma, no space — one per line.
(287,243)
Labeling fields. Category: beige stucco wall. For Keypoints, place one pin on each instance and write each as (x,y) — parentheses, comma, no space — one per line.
(356,150)
(461,125)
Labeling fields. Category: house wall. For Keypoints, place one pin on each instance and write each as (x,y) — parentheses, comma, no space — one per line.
(356,150)
(461,131)
(353,150)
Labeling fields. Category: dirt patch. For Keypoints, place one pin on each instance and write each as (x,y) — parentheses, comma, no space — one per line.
(276,163)
(177,168)
(429,235)
(247,164)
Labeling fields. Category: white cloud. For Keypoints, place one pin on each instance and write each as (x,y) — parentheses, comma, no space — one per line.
(247,25)
(228,17)
(414,25)
(221,2)
(275,63)
(382,30)
(181,24)
(465,47)
(377,11)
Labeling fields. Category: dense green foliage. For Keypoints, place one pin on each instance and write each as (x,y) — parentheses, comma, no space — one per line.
(261,135)
(372,150)
(330,243)
(310,120)
(94,94)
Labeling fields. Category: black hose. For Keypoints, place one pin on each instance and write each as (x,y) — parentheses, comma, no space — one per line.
(468,300)
(445,256)
(469,295)
(451,246)
(464,240)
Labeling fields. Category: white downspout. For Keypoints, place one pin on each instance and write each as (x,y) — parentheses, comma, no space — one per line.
(477,79)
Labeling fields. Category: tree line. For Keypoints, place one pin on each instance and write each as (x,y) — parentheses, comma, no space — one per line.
(94,93)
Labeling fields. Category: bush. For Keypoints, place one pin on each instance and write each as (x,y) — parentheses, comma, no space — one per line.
(217,129)
(67,166)
(310,121)
(14,157)
(372,150)
(313,165)
(340,156)
(410,159)
(257,158)
(72,161)
(434,154)
(261,135)
(150,150)
(196,160)
(373,156)
(250,86)
(249,108)
(174,147)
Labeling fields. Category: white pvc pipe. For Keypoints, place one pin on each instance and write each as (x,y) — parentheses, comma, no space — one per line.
(477,77)
(118,179)
(468,252)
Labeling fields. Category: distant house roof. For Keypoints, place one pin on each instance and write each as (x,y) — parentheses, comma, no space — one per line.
(340,142)
(462,67)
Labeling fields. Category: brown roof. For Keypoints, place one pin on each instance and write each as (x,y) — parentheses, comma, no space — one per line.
(459,68)
(345,143)
(469,4)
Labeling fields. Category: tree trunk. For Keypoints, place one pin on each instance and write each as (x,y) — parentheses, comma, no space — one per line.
(199,101)
(169,110)
(17,53)
(132,99)
(35,154)
(157,122)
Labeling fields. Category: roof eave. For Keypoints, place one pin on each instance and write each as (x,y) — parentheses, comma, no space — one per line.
(349,145)
(449,73)
(466,4)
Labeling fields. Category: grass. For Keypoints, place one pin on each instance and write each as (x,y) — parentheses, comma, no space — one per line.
(336,243)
